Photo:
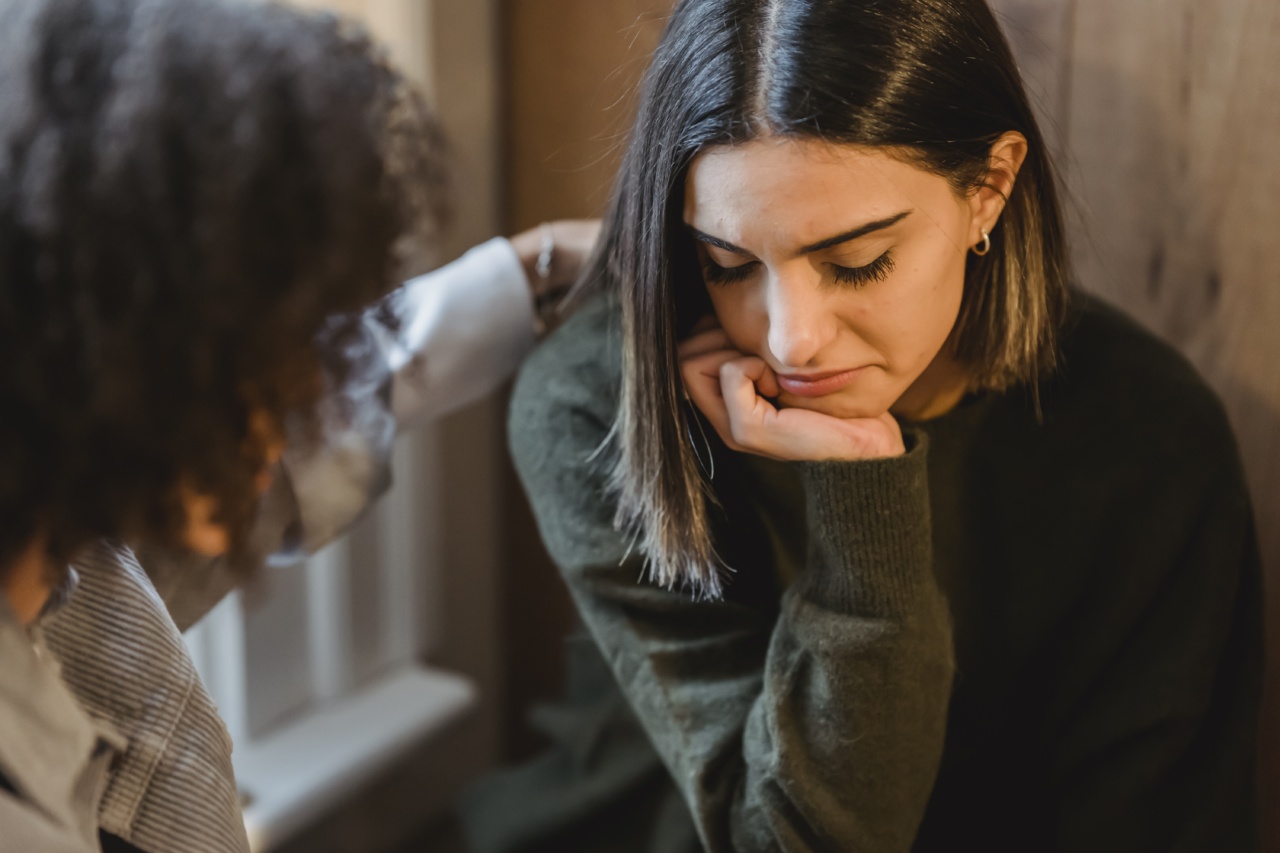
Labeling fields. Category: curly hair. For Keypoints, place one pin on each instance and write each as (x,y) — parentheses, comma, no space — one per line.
(190,190)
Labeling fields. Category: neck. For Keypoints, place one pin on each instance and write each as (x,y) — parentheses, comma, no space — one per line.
(25,582)
(936,391)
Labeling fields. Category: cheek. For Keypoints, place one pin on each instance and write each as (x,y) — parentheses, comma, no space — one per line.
(203,535)
(741,320)
(949,291)
(910,318)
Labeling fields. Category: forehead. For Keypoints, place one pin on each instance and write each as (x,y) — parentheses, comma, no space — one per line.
(805,188)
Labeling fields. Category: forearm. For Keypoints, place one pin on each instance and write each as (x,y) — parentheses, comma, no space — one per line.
(463,330)
(822,728)
(457,334)
(843,747)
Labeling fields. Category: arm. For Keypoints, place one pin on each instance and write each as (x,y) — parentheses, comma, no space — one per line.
(462,331)
(816,728)
(1159,751)
(458,333)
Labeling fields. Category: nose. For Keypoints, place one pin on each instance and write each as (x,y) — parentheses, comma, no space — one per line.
(801,323)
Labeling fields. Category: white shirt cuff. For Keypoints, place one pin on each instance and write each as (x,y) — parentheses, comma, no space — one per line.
(464,330)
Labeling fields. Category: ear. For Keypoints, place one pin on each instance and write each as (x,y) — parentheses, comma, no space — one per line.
(1007,155)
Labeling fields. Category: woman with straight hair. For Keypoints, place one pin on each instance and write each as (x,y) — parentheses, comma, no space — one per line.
(891,537)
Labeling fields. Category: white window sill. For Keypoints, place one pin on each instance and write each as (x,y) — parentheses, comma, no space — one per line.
(300,771)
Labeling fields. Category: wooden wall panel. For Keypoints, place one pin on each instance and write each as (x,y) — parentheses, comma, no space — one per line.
(573,65)
(1165,115)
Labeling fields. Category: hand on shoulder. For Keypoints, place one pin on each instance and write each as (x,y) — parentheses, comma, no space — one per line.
(735,392)
(554,253)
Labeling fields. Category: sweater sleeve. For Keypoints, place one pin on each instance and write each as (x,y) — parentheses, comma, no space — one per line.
(818,726)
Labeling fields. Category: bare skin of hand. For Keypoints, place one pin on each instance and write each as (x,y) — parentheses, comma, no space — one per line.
(573,240)
(733,391)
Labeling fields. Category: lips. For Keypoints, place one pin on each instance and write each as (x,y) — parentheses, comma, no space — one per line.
(817,384)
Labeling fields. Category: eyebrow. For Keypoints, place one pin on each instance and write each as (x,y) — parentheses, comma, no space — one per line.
(852,234)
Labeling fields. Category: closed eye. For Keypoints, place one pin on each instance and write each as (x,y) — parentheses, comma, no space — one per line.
(877,270)
(716,274)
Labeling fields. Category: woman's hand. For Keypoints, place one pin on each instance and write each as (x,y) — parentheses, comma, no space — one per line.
(732,391)
(564,245)
(553,255)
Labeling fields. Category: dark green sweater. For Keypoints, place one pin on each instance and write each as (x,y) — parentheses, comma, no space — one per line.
(1022,635)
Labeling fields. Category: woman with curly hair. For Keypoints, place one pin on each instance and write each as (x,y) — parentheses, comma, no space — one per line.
(199,203)
(888,538)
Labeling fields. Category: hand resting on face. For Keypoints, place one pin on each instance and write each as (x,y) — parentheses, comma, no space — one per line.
(736,392)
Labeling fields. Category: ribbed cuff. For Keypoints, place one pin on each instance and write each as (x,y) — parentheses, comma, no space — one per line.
(870,548)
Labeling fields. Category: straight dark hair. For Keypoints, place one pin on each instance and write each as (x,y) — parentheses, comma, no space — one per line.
(932,81)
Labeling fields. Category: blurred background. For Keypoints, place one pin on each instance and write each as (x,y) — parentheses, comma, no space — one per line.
(366,686)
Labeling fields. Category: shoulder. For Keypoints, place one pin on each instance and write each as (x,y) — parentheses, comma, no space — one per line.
(559,428)
(566,393)
(1136,389)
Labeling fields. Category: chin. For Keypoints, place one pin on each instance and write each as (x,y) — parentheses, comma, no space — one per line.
(843,406)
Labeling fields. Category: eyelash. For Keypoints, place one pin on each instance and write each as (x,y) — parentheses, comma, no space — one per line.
(877,270)
(716,274)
